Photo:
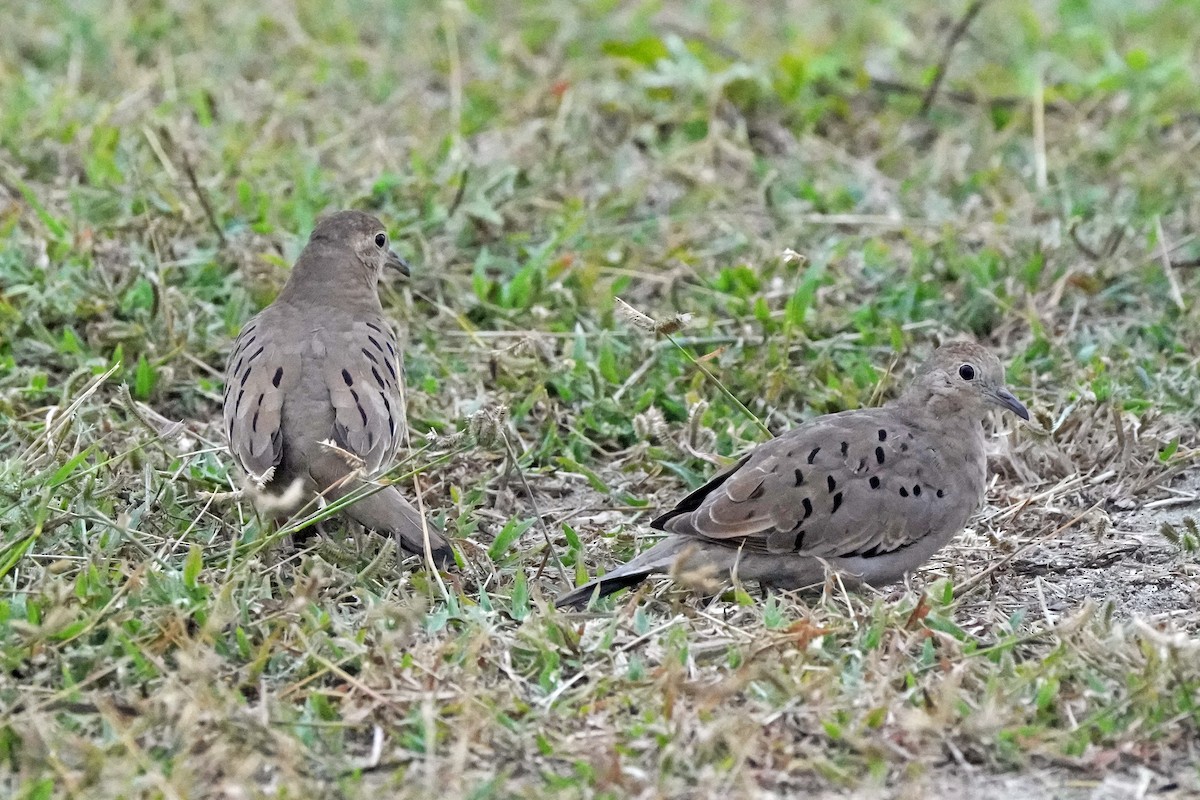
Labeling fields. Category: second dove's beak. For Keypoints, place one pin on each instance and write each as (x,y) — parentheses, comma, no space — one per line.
(1005,399)
(396,262)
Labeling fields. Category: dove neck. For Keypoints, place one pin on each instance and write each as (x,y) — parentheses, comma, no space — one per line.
(945,407)
(326,276)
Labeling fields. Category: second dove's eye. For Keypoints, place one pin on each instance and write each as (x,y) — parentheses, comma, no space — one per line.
(380,240)
(966,372)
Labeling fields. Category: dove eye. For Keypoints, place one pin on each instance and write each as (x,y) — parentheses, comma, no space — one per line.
(380,240)
(966,372)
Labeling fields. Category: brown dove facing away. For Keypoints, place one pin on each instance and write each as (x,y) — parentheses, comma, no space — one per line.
(320,365)
(871,493)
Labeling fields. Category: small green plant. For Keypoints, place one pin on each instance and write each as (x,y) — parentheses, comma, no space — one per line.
(1186,538)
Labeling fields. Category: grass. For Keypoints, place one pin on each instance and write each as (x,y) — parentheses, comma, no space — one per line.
(161,166)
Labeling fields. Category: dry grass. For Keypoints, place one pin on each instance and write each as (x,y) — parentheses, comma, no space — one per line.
(786,177)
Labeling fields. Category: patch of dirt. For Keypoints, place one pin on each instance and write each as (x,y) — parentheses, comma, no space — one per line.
(1127,563)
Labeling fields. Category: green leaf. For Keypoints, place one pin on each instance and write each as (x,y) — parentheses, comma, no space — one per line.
(596,482)
(572,537)
(509,534)
(1137,59)
(519,604)
(192,566)
(62,473)
(802,298)
(646,51)
(14,553)
(145,377)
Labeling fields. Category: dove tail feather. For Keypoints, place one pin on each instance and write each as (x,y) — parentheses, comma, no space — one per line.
(658,558)
(387,511)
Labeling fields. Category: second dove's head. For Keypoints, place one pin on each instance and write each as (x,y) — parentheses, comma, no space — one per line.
(362,234)
(962,377)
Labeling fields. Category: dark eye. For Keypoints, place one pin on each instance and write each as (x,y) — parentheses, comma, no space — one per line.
(380,240)
(966,372)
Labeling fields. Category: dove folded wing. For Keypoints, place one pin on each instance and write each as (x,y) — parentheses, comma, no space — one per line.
(849,484)
(360,373)
(261,371)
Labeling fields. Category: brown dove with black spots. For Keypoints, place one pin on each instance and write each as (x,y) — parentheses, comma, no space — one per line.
(321,366)
(871,494)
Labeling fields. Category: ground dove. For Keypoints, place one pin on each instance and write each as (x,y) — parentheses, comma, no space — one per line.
(320,367)
(871,494)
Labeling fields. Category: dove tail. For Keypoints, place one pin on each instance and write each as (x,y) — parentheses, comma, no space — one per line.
(387,511)
(580,597)
(657,559)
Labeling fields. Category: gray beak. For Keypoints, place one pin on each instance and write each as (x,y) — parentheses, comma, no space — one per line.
(396,262)
(1004,398)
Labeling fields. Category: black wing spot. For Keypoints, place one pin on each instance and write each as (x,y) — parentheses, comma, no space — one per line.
(807,508)
(375,342)
(391,349)
(749,514)
(812,456)
(257,353)
(845,448)
(940,493)
(378,378)
(874,481)
(375,328)
(278,378)
(238,403)
(903,447)
(798,544)
(245,376)
(362,412)
(799,477)
(349,381)
(391,420)
(837,503)
(254,421)
(903,492)
(878,455)
(917,490)
(367,353)
(882,435)
(244,343)
(830,482)
(391,367)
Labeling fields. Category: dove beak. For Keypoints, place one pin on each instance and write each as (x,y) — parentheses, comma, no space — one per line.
(396,262)
(1005,399)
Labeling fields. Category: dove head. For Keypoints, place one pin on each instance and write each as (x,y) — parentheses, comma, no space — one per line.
(963,379)
(362,235)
